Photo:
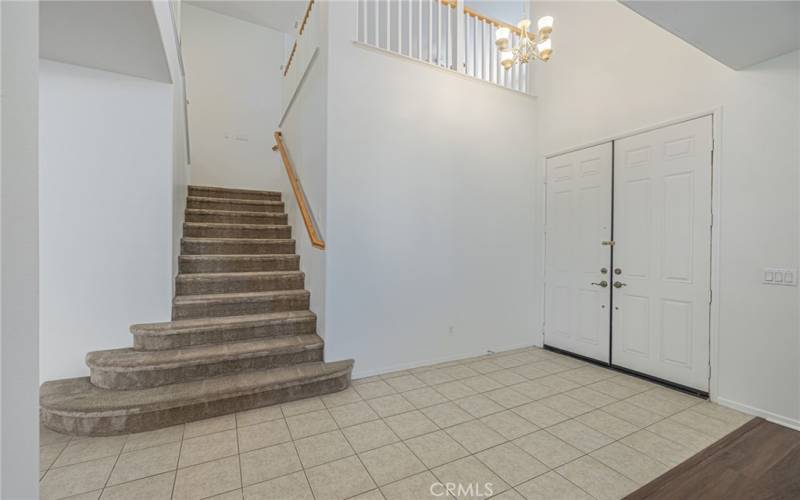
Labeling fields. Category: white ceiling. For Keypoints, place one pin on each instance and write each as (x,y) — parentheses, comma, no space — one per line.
(736,33)
(280,15)
(118,36)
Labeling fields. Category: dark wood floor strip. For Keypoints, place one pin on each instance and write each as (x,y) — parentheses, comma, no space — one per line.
(729,468)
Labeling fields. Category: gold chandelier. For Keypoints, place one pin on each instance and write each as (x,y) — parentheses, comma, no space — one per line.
(528,48)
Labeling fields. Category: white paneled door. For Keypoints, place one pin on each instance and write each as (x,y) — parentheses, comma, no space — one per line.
(577,299)
(662,253)
(630,284)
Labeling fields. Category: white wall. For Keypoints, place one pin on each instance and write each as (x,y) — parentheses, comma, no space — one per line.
(430,211)
(105,187)
(305,129)
(19,302)
(613,72)
(234,86)
(180,159)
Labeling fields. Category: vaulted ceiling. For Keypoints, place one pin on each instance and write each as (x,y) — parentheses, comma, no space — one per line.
(736,33)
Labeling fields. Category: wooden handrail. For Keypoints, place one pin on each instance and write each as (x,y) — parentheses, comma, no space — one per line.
(299,34)
(316,241)
(305,17)
(291,57)
(500,24)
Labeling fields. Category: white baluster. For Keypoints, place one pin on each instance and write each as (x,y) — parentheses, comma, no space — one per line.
(430,30)
(419,30)
(376,4)
(410,28)
(449,57)
(388,25)
(438,32)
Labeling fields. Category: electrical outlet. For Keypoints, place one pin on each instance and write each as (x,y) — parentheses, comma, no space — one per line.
(777,276)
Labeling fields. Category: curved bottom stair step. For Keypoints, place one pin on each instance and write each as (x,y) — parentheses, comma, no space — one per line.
(126,369)
(75,406)
(193,332)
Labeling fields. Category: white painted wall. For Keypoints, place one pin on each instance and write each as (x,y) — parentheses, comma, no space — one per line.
(613,71)
(234,88)
(105,187)
(305,130)
(169,23)
(430,211)
(19,240)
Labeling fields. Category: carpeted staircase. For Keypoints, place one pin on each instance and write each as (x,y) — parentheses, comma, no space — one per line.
(241,336)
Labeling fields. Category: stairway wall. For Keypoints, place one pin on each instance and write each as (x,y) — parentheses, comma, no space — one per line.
(234,88)
(431,211)
(305,133)
(105,187)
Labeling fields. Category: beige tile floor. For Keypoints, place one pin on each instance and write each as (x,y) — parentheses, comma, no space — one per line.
(534,424)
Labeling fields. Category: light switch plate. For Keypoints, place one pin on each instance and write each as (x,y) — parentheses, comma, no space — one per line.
(778,276)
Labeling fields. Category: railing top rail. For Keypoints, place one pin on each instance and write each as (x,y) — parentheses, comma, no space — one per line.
(300,31)
(472,13)
(305,212)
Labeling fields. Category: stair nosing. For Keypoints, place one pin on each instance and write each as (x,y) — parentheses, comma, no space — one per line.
(234,225)
(234,297)
(236,240)
(233,190)
(234,213)
(201,354)
(234,201)
(182,326)
(241,256)
(238,274)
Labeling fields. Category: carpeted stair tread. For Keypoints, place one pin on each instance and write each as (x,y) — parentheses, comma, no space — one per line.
(236,201)
(238,304)
(228,230)
(235,297)
(190,332)
(127,359)
(128,369)
(201,264)
(238,282)
(237,246)
(240,193)
(206,215)
(75,406)
(234,225)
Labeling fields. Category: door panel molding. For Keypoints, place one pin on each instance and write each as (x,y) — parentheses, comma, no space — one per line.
(577,220)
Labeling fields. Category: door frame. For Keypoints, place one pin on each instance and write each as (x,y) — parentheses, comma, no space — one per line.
(716,114)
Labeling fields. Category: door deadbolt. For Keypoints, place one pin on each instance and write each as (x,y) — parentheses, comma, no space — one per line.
(603,270)
(617,271)
(602,284)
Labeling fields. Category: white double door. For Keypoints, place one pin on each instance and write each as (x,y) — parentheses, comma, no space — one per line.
(628,251)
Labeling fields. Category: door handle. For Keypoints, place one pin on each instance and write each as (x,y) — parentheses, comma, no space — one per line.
(617,284)
(602,284)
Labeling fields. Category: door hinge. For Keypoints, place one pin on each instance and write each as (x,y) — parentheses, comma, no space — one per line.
(607,243)
(710,296)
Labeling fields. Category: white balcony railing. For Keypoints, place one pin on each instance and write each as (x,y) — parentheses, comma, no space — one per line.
(440,32)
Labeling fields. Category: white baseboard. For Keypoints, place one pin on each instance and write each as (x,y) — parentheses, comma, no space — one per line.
(444,359)
(757,412)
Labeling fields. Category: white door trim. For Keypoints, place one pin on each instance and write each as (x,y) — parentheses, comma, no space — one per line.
(716,184)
